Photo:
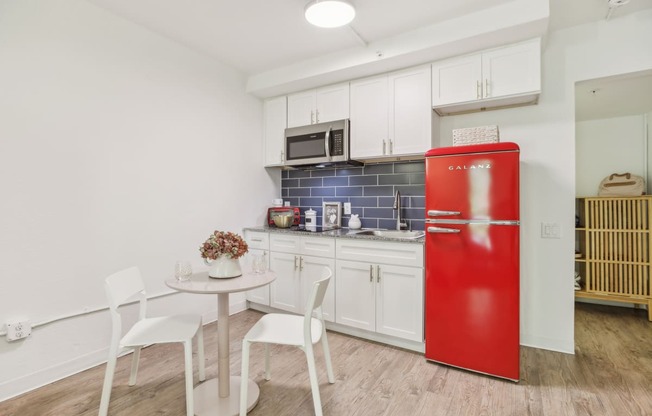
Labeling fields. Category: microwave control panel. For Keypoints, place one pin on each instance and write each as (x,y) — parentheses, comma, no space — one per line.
(338,143)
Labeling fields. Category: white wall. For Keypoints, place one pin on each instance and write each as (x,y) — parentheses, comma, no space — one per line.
(117,148)
(546,135)
(606,146)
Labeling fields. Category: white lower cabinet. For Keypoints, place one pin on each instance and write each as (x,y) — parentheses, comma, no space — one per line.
(382,298)
(258,243)
(296,272)
(380,287)
(377,286)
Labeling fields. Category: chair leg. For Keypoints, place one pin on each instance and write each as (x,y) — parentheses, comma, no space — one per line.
(108,382)
(134,366)
(327,356)
(314,384)
(244,377)
(187,349)
(200,352)
(268,372)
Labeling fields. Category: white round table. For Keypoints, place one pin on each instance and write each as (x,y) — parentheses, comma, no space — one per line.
(221,396)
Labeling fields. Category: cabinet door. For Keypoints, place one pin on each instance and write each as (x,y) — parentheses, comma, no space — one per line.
(355,295)
(457,80)
(369,117)
(512,70)
(275,110)
(311,271)
(399,302)
(410,112)
(301,108)
(259,295)
(332,103)
(285,291)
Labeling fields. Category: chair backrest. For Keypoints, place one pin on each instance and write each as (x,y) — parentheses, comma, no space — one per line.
(122,285)
(316,299)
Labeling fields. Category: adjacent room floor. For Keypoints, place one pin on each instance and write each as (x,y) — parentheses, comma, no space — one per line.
(610,374)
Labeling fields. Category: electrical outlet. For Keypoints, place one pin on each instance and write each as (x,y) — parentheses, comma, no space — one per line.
(18,330)
(347,208)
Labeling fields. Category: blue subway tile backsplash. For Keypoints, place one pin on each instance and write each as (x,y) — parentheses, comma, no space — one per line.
(369,189)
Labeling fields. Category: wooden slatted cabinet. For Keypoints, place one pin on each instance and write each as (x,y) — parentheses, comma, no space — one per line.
(615,249)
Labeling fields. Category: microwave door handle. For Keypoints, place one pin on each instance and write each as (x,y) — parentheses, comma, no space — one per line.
(327,143)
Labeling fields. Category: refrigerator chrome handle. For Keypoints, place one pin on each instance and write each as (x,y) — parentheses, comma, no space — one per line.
(440,230)
(437,213)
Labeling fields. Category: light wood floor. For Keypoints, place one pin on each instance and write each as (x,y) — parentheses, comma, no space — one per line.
(610,374)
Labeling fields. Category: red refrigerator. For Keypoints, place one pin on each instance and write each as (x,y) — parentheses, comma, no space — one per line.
(472,258)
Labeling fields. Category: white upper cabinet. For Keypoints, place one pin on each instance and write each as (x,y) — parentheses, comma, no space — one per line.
(275,113)
(319,105)
(391,115)
(410,115)
(498,77)
(369,117)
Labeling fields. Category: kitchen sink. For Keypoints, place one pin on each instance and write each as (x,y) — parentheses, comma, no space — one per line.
(404,234)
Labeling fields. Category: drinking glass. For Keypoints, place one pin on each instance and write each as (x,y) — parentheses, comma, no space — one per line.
(182,271)
(258,263)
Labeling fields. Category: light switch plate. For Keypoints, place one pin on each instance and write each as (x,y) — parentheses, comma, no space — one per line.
(347,208)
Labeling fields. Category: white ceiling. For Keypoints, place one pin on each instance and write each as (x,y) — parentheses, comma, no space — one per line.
(263,37)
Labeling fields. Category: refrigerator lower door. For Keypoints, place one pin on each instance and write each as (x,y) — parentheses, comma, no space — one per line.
(472,297)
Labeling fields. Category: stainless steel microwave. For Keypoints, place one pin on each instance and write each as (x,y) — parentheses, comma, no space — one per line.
(318,145)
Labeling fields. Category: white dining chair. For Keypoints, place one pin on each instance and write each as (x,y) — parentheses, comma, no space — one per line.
(296,330)
(122,286)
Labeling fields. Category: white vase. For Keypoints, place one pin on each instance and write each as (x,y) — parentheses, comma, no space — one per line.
(224,267)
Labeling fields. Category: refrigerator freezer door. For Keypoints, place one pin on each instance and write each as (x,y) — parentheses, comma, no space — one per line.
(477,186)
(472,298)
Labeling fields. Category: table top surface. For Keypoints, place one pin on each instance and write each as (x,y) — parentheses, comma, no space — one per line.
(200,282)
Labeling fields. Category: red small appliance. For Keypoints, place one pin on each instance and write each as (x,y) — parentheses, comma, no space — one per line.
(282,211)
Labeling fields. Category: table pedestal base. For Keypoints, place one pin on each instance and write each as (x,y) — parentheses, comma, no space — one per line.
(209,403)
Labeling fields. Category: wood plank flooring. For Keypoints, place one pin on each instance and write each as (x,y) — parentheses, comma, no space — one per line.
(610,374)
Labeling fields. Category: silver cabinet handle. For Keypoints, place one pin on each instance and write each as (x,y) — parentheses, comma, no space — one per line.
(295,262)
(301,263)
(437,213)
(486,88)
(317,116)
(371,273)
(312,117)
(440,230)
(377,274)
(383,146)
(478,89)
(282,156)
(391,147)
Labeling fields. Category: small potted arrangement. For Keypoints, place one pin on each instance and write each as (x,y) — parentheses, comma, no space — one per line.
(221,252)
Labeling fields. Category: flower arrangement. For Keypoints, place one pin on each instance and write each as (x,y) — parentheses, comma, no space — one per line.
(223,243)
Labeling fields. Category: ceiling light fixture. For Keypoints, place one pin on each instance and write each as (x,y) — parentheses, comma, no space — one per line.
(329,13)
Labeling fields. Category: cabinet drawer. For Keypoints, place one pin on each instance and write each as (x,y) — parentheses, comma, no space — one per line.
(400,254)
(284,243)
(316,246)
(257,240)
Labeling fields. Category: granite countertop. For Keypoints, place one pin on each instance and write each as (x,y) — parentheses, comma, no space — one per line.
(342,233)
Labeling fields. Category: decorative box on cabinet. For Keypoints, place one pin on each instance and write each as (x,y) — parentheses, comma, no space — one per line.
(319,105)
(496,78)
(391,115)
(615,249)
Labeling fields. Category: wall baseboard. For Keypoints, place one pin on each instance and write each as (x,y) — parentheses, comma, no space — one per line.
(29,382)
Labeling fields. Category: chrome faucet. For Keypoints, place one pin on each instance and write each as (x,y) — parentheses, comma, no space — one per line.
(397,206)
